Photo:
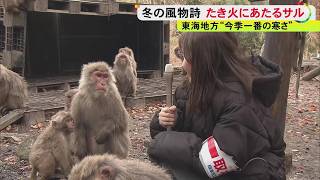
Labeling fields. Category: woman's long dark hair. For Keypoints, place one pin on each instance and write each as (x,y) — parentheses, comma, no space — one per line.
(212,57)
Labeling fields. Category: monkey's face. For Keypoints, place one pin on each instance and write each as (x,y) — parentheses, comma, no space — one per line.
(96,79)
(126,51)
(63,121)
(70,123)
(100,79)
(178,53)
(122,60)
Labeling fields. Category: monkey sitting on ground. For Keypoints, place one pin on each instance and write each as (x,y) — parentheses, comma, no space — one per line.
(125,79)
(129,52)
(100,116)
(13,90)
(16,6)
(108,167)
(52,148)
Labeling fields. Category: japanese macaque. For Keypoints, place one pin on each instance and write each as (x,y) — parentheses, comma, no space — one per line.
(125,79)
(178,53)
(52,150)
(68,98)
(129,52)
(13,90)
(101,118)
(16,6)
(108,167)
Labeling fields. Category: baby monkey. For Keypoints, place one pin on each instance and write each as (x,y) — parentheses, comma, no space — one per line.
(51,150)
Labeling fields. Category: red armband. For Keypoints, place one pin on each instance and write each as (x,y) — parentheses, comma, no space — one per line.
(214,160)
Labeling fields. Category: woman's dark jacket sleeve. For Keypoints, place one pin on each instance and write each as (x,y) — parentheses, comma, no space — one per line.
(179,101)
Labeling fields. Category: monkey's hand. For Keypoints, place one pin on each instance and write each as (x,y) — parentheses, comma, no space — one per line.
(104,134)
(102,139)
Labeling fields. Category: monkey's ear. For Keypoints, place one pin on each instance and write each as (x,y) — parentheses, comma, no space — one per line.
(106,172)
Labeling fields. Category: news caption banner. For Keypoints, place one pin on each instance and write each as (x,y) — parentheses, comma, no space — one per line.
(234,18)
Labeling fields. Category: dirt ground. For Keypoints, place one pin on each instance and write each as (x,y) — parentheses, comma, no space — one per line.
(302,133)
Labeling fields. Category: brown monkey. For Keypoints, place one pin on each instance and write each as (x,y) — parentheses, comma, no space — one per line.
(178,53)
(69,96)
(108,167)
(129,52)
(16,6)
(51,148)
(125,79)
(13,89)
(101,118)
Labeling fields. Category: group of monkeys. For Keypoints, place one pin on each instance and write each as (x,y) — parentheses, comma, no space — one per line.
(89,139)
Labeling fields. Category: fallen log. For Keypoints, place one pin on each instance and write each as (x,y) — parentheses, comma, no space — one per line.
(315,72)
(10,118)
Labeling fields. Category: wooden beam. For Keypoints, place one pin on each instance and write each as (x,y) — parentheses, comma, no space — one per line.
(10,118)
(313,73)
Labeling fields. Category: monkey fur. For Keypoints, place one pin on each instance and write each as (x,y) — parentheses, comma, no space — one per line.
(129,52)
(125,79)
(13,89)
(68,98)
(51,149)
(101,118)
(109,167)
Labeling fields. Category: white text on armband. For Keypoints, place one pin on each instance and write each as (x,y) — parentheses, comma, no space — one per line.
(214,161)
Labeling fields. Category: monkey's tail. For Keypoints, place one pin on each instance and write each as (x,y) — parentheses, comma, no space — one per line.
(33,174)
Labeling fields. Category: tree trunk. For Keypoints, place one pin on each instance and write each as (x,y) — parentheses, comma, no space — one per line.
(281,48)
(315,72)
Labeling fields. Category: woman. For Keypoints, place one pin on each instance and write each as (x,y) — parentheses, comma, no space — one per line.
(221,122)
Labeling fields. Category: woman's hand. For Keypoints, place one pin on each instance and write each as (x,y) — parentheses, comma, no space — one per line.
(167,116)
